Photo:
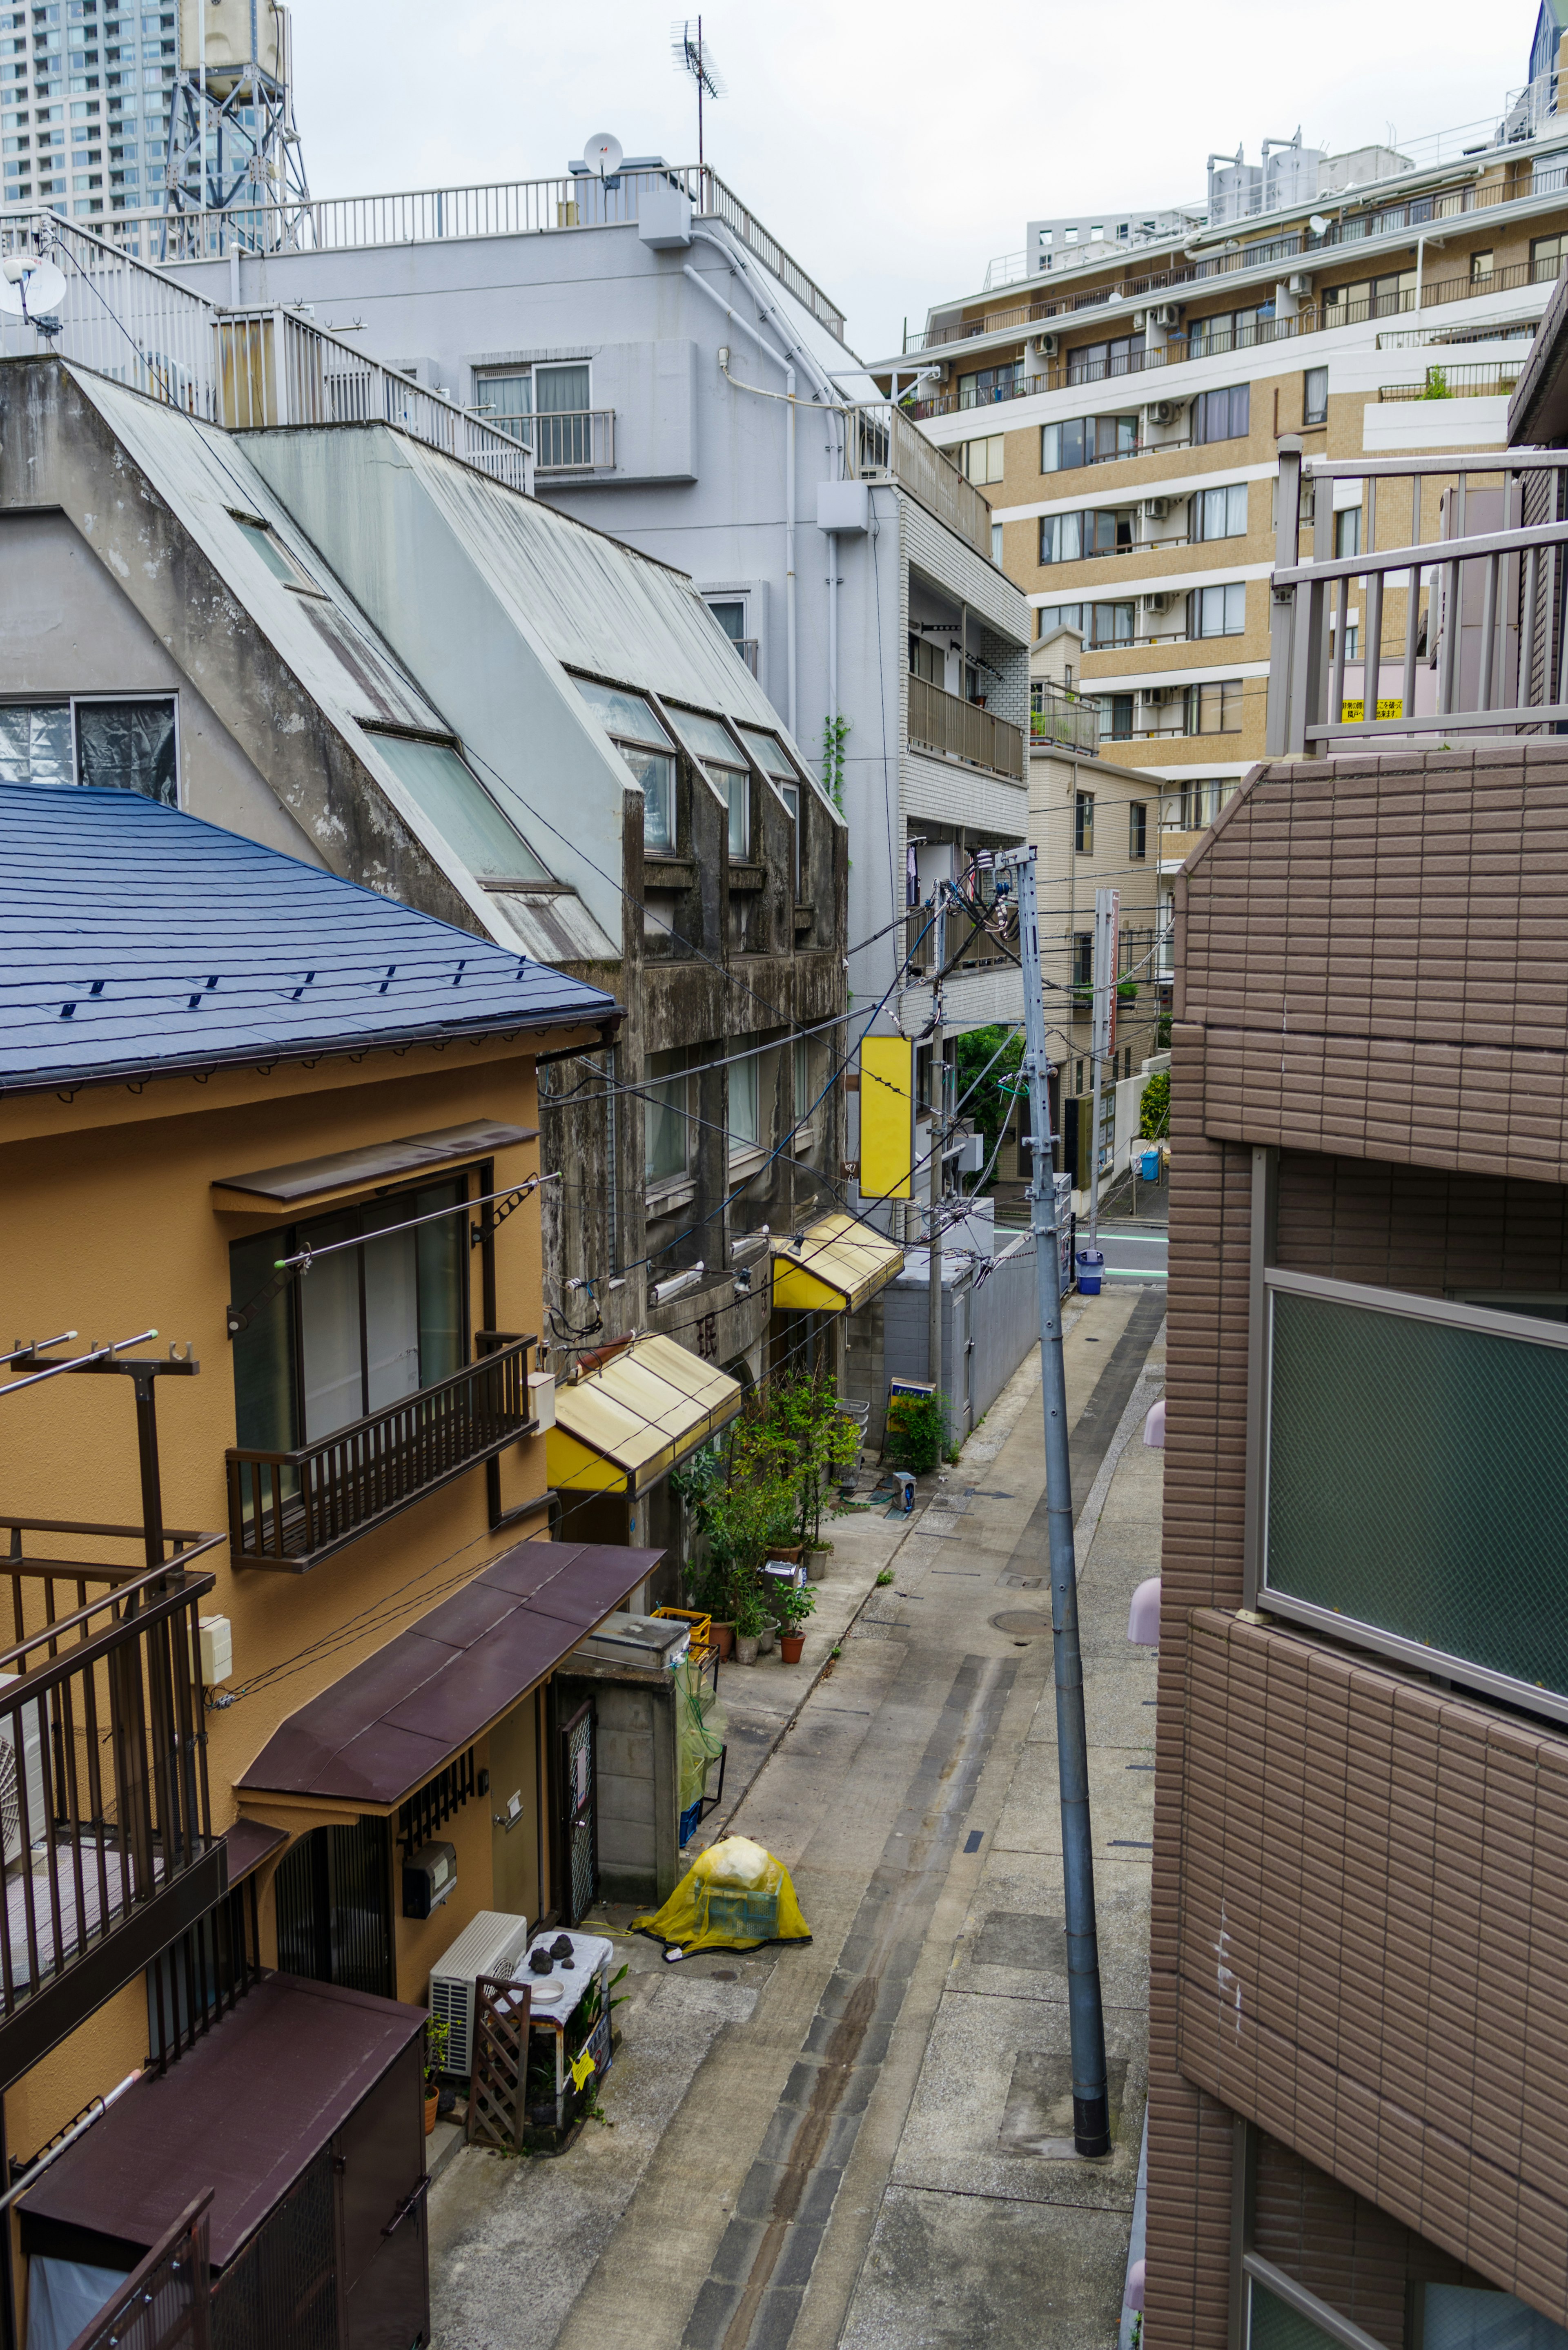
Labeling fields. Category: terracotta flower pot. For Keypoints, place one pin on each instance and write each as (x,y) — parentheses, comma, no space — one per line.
(786,1557)
(745,1649)
(431,2102)
(725,1638)
(790,1646)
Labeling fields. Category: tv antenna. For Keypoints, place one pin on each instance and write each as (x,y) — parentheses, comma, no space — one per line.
(693,55)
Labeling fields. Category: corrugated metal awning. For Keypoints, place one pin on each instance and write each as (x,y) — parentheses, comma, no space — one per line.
(833,1266)
(620,1428)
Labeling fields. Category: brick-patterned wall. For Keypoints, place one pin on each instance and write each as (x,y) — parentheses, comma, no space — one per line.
(1373,975)
(1341,2247)
(1373,1921)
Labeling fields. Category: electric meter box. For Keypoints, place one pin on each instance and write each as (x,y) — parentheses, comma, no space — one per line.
(428,1878)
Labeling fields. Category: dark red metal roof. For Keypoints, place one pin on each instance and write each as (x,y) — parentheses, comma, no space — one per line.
(243,2113)
(247,1844)
(391,1724)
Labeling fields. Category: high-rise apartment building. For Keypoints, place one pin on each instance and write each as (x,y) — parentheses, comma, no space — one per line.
(92,91)
(1122,406)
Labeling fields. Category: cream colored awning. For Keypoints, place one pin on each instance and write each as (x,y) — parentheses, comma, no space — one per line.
(622,1427)
(833,1267)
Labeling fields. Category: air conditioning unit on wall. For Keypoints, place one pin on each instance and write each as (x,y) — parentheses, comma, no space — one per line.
(1049,345)
(493,1944)
(1159,604)
(1163,411)
(1166,314)
(1156,509)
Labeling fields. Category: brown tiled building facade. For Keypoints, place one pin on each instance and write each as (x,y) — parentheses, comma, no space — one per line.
(1359,1956)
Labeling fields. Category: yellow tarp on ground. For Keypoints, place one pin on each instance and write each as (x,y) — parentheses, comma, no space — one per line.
(732,1896)
(622,1427)
(833,1267)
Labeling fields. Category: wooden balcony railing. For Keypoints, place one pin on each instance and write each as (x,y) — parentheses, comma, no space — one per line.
(291,1509)
(956,729)
(106,1825)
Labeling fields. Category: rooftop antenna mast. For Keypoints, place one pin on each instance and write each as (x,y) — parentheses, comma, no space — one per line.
(693,55)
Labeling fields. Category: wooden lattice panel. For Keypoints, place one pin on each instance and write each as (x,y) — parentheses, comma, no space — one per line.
(497,2084)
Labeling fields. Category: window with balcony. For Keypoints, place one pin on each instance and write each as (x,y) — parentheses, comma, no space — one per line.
(550,410)
(1219,513)
(1078,538)
(1223,414)
(1546,254)
(629,722)
(1314,395)
(985,385)
(123,746)
(367,1325)
(1217,611)
(1099,362)
(1086,441)
(1214,708)
(1084,823)
(1413,1495)
(1099,624)
(1138,829)
(1082,973)
(1116,717)
(1482,266)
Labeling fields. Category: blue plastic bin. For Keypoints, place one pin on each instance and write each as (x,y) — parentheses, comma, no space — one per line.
(1150,1170)
(1091,1263)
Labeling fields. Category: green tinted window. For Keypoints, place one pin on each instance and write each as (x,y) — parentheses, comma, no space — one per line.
(1274,2326)
(1415,1481)
(460,807)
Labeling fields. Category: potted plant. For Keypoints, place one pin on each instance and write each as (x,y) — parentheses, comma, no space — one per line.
(795,1607)
(436,2032)
(750,1622)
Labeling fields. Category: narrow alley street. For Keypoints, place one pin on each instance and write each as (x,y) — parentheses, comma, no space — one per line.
(868,2139)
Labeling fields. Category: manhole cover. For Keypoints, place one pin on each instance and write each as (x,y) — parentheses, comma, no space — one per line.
(1021,1620)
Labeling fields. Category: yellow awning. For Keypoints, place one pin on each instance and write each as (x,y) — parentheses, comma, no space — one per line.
(618,1430)
(833,1267)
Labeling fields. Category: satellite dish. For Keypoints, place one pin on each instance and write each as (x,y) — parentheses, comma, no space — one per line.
(603,155)
(30,288)
(1318,225)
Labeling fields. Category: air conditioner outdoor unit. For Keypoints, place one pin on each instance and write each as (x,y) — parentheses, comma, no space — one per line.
(1163,411)
(1166,314)
(1156,509)
(493,1944)
(31,1723)
(1299,282)
(1049,346)
(1158,604)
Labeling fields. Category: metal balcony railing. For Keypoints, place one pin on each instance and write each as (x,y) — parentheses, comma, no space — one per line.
(440,215)
(881,444)
(291,1509)
(956,729)
(105,1819)
(1062,721)
(1477,651)
(569,441)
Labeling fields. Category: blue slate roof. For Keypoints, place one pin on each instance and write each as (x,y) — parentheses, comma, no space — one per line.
(137,940)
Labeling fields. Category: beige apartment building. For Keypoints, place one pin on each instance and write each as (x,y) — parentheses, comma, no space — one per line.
(1120,393)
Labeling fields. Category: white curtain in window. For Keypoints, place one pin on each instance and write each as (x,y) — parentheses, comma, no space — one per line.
(329,1327)
(391,1317)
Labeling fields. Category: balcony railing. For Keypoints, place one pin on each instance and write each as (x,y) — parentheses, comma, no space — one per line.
(882,445)
(956,729)
(1061,720)
(571,441)
(166,2302)
(109,1849)
(1478,651)
(291,1509)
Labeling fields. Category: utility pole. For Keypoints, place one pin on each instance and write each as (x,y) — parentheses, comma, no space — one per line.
(938,1092)
(1102,1033)
(1091,2110)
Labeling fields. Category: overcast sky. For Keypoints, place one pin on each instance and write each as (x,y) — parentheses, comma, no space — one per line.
(893,150)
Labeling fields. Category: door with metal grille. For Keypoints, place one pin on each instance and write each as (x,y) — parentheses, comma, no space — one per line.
(333,1893)
(578,1793)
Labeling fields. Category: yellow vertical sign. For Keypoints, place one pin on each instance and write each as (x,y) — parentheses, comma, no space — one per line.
(887,1117)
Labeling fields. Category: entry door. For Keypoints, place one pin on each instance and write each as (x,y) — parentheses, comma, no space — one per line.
(384,2269)
(578,1796)
(515,1836)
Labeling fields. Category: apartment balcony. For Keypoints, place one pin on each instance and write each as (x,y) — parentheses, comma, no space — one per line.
(882,445)
(572,442)
(1060,721)
(962,731)
(107,1835)
(291,1509)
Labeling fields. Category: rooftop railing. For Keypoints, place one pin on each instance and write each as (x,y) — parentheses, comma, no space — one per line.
(442,215)
(1476,649)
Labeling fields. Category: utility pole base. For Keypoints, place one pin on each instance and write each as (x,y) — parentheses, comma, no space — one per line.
(1091,2126)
